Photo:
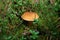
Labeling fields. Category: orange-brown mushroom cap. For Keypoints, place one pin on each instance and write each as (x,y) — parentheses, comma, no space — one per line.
(29,16)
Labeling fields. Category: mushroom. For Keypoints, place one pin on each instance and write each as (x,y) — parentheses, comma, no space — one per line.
(29,17)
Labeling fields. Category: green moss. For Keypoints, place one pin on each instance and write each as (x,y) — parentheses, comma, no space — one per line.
(12,26)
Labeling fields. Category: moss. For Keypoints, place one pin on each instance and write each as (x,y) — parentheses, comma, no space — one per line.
(12,26)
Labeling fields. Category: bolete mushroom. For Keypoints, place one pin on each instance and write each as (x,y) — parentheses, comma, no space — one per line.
(29,17)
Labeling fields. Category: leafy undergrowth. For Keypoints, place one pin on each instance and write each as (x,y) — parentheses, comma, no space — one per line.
(12,27)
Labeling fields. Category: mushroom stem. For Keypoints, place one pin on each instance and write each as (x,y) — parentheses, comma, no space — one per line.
(29,23)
